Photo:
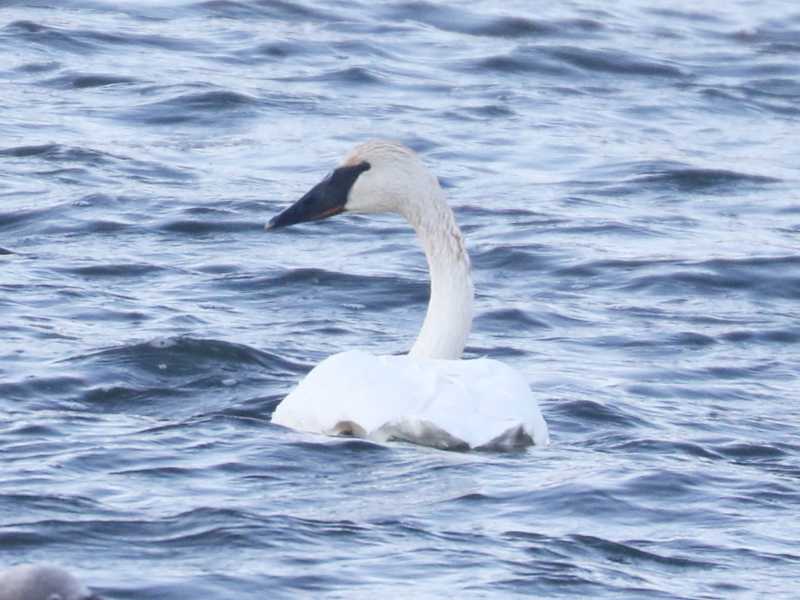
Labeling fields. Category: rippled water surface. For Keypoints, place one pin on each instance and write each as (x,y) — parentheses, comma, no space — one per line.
(626,174)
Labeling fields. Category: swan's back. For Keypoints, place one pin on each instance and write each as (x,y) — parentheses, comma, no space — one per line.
(454,404)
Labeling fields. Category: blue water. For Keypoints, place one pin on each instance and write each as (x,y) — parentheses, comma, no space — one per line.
(628,181)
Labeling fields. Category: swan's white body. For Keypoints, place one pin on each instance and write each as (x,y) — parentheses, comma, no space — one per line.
(452,404)
(430,396)
(40,582)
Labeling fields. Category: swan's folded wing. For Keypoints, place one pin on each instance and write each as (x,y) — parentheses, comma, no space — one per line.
(473,401)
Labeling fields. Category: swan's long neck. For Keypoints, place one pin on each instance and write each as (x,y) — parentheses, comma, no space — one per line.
(449,317)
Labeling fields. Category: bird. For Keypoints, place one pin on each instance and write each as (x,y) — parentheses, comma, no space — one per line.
(429,396)
(41,582)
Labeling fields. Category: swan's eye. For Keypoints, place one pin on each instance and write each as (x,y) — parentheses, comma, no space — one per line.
(348,175)
(342,179)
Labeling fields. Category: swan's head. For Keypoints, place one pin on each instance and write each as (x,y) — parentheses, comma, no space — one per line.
(375,177)
(41,582)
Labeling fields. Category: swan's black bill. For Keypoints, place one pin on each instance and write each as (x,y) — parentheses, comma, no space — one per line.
(324,200)
(316,204)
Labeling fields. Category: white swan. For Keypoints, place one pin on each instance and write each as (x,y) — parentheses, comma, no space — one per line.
(429,396)
(41,582)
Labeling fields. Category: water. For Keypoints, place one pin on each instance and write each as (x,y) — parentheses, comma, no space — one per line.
(626,177)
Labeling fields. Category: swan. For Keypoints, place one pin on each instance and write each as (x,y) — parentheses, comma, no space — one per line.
(41,582)
(429,396)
